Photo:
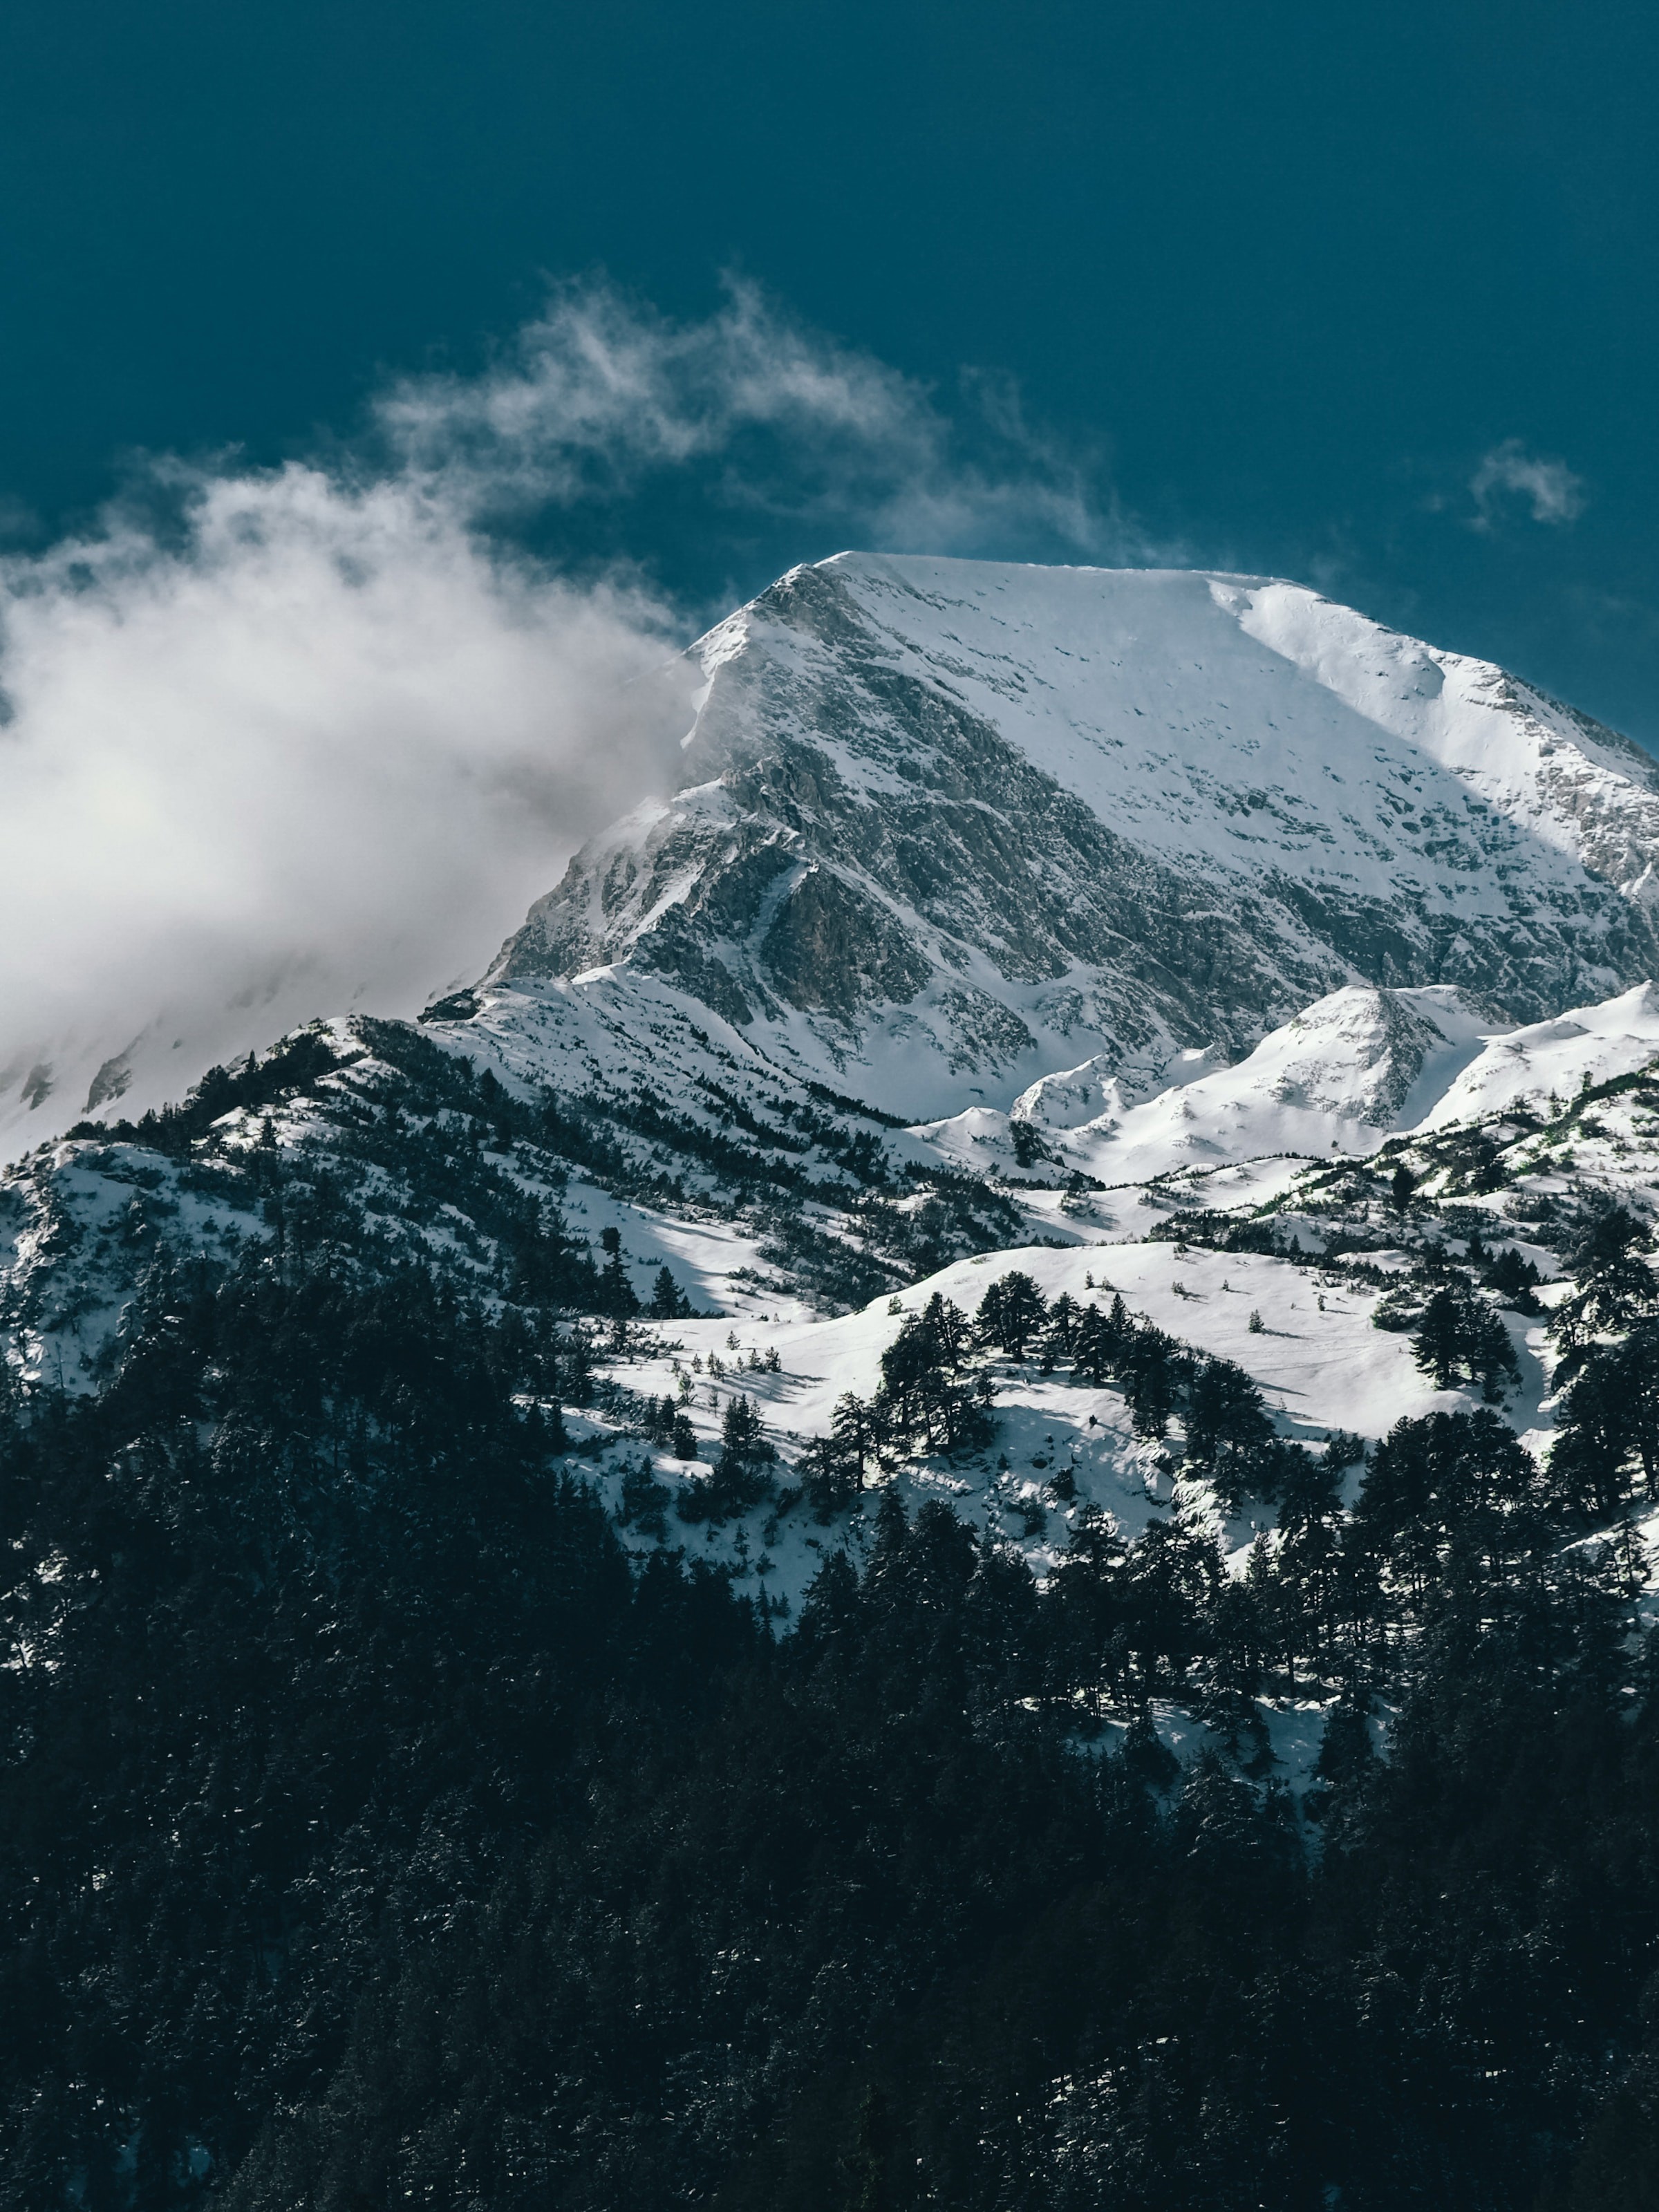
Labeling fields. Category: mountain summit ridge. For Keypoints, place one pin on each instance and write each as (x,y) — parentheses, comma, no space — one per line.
(943,823)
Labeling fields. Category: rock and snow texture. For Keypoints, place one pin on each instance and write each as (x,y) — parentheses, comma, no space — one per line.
(948,828)
(1339,1076)
(1349,1072)
(1551,1061)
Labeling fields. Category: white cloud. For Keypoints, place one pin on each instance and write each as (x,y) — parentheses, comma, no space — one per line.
(316,737)
(1550,489)
(321,752)
(599,395)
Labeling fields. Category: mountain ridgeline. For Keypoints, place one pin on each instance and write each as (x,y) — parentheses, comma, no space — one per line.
(953,1503)
(951,825)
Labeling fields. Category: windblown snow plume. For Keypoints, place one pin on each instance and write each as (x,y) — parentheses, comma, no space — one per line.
(600,397)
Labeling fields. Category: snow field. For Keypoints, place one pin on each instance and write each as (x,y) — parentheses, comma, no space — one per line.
(1247,720)
(1319,1367)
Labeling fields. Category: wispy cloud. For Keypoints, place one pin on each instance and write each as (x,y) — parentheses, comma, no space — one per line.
(1548,488)
(600,395)
(283,741)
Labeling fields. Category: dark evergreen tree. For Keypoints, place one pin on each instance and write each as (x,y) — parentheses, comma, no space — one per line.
(1461,1336)
(668,1301)
(1151,1367)
(615,1295)
(1608,1429)
(1059,1335)
(1229,1434)
(742,1471)
(1614,1283)
(1515,1279)
(1011,1313)
(925,1400)
(853,1433)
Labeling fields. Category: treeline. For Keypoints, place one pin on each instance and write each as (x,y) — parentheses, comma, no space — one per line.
(1335,1599)
(442,1135)
(294,1066)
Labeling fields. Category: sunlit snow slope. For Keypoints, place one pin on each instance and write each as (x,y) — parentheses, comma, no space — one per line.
(947,827)
(1342,1076)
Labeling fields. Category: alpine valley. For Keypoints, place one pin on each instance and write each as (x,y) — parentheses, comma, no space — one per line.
(949,1502)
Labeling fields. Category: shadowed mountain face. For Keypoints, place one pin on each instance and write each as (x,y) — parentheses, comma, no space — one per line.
(948,826)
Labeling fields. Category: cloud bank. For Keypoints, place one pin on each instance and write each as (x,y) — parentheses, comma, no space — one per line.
(309,758)
(285,742)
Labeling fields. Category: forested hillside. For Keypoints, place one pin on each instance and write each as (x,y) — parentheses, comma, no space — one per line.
(387,1822)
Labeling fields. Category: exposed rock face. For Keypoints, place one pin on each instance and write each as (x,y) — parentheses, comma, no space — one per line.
(949,825)
(113,1080)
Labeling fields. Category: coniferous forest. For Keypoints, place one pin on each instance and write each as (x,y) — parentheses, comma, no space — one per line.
(378,1830)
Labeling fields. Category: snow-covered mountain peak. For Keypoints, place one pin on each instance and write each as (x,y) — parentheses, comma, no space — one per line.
(953,835)
(948,829)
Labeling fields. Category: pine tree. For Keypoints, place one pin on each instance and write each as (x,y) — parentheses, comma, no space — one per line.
(1515,1280)
(1228,1430)
(853,1433)
(740,1477)
(668,1301)
(1146,1756)
(1091,1348)
(1438,1345)
(1609,1420)
(1615,1285)
(615,1294)
(1459,1334)
(1059,1336)
(1011,1313)
(1347,1756)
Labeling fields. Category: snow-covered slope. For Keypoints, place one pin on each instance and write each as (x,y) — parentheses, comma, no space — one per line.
(1321,1363)
(84,1071)
(1338,1076)
(949,827)
(1552,1060)
(1351,1070)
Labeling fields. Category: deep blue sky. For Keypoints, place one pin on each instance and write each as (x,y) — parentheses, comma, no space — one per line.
(1296,268)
